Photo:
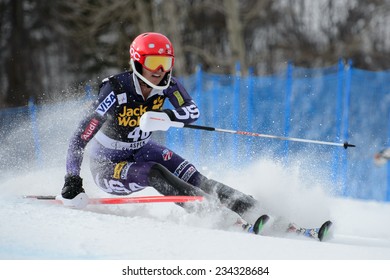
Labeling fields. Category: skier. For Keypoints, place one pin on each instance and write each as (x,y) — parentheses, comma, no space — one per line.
(381,157)
(123,158)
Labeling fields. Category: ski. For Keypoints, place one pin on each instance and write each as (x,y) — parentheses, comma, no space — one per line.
(121,200)
(258,226)
(321,233)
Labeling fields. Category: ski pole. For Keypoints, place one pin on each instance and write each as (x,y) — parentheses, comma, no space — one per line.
(208,128)
(153,121)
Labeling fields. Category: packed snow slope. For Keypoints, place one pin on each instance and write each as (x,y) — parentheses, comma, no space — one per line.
(164,231)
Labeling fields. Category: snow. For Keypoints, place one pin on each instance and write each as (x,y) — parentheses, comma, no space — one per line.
(161,232)
(155,233)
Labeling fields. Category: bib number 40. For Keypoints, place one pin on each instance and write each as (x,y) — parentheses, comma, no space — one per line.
(137,135)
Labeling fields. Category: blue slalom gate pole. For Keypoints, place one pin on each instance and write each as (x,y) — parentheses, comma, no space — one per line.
(287,109)
(236,108)
(250,112)
(388,163)
(346,125)
(339,117)
(34,128)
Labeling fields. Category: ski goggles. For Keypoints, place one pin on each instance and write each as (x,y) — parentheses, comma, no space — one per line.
(154,62)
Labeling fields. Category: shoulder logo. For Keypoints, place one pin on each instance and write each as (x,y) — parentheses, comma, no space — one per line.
(106,104)
(122,98)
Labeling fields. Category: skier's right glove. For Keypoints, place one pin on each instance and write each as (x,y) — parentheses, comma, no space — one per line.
(158,120)
(73,194)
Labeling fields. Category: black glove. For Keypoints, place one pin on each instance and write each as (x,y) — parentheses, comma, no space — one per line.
(72,187)
(170,114)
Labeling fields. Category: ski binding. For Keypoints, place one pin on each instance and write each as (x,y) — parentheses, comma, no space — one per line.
(321,233)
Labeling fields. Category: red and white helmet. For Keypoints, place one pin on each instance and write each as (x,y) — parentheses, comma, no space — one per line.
(152,51)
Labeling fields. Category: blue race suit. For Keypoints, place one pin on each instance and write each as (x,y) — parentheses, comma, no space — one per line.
(121,154)
(124,159)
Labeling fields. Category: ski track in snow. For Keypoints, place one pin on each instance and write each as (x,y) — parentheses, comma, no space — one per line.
(164,231)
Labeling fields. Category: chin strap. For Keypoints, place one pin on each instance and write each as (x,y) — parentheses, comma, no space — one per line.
(142,83)
(163,87)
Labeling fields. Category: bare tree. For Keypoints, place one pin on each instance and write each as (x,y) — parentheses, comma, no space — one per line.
(4,36)
(172,27)
(17,63)
(47,47)
(235,35)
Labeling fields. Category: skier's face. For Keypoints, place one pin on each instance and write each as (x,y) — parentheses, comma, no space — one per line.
(154,77)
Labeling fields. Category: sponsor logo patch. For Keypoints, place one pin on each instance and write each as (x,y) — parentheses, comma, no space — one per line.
(106,104)
(118,168)
(158,103)
(181,167)
(92,125)
(131,116)
(187,175)
(167,154)
(179,97)
(122,98)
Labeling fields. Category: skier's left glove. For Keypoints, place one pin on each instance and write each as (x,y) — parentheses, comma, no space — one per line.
(72,187)
(73,194)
